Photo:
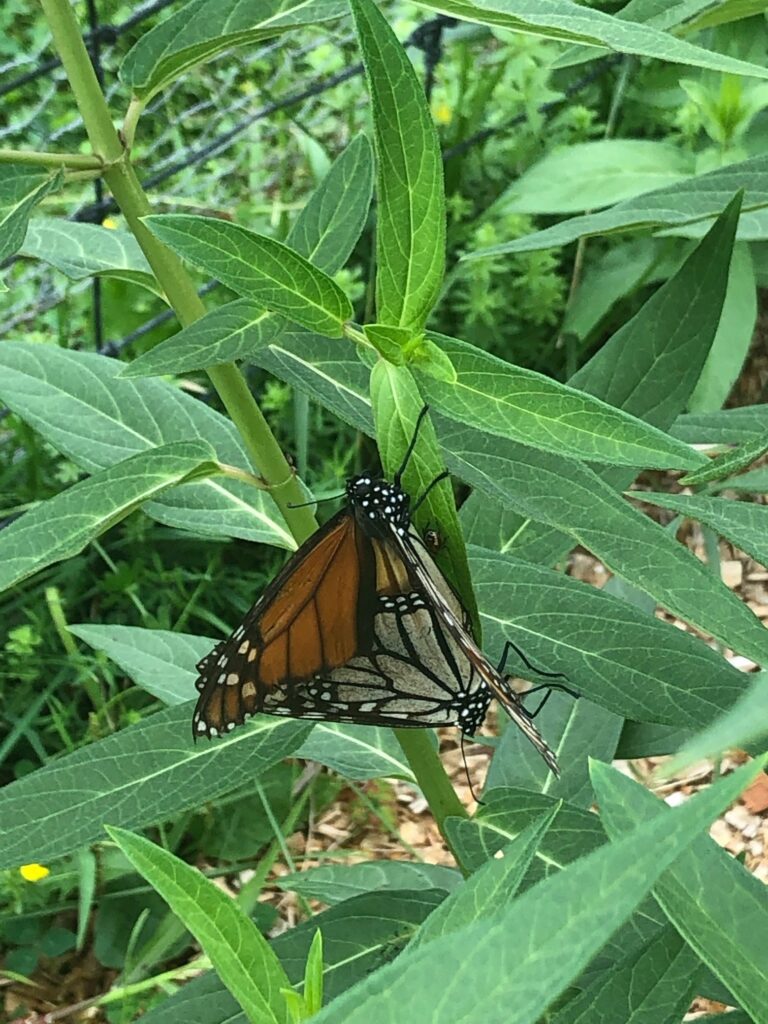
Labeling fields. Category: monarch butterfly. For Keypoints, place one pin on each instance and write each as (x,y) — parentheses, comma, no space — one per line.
(359,626)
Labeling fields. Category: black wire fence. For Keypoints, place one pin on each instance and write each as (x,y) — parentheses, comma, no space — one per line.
(171,157)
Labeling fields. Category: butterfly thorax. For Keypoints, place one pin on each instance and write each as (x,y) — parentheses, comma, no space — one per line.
(379,505)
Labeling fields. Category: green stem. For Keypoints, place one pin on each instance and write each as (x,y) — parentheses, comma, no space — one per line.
(91,684)
(178,286)
(53,600)
(77,161)
(180,291)
(131,120)
(266,453)
(433,782)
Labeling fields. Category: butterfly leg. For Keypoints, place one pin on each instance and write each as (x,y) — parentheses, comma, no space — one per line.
(509,646)
(549,687)
(543,700)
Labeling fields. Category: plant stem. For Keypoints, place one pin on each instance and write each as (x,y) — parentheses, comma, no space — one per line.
(178,286)
(53,600)
(434,783)
(180,291)
(91,684)
(130,121)
(78,161)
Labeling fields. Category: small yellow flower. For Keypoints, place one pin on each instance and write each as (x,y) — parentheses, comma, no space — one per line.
(34,872)
(109,222)
(442,112)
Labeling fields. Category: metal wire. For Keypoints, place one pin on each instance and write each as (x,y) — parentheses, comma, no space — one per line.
(101,34)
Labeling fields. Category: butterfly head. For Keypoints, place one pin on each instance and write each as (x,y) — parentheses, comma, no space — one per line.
(378,503)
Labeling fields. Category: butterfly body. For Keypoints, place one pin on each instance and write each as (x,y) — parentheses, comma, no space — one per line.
(360,626)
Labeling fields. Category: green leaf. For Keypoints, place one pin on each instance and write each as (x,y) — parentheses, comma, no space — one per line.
(723,466)
(230,332)
(203,29)
(664,15)
(734,1017)
(357,751)
(718,907)
(397,404)
(562,19)
(159,661)
(89,250)
(648,368)
(590,175)
(743,725)
(570,497)
(753,227)
(327,372)
(609,278)
(21,189)
(486,893)
(734,334)
(429,358)
(494,396)
(257,268)
(334,883)
(693,199)
(74,401)
(577,730)
(631,663)
(410,232)
(721,15)
(654,985)
(754,482)
(645,739)
(528,954)
(728,426)
(506,812)
(332,221)
(144,774)
(313,977)
(238,951)
(358,936)
(741,522)
(388,341)
(65,524)
(573,834)
(325,232)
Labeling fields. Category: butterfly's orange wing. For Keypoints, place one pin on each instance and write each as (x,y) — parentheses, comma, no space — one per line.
(311,619)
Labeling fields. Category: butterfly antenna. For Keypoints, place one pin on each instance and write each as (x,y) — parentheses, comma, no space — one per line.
(317,501)
(438,479)
(412,445)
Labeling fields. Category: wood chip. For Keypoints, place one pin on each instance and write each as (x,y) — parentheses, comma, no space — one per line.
(732,573)
(755,798)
